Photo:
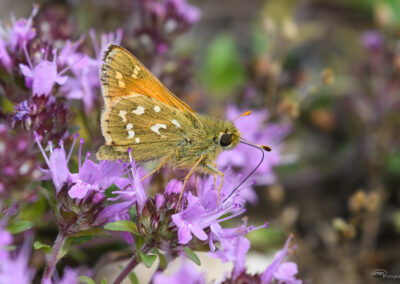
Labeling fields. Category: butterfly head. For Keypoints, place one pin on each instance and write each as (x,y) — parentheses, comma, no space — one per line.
(229,137)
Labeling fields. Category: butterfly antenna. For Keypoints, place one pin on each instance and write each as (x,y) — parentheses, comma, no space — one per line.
(259,147)
(264,147)
(243,114)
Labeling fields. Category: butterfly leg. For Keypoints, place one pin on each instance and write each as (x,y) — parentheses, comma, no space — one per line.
(187,178)
(157,168)
(216,172)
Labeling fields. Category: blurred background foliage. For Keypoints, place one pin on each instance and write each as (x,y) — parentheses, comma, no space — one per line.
(331,69)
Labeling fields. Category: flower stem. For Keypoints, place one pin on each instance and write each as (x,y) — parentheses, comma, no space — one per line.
(131,265)
(52,261)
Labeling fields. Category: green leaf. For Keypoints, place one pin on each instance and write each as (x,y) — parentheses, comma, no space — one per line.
(92,232)
(39,245)
(34,211)
(20,226)
(122,225)
(86,279)
(6,105)
(161,257)
(132,212)
(192,256)
(148,260)
(222,72)
(78,240)
(104,281)
(132,276)
(139,242)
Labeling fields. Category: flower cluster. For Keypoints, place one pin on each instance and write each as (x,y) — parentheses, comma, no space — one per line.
(45,68)
(45,115)
(80,197)
(82,205)
(164,21)
(280,270)
(13,39)
(18,165)
(14,263)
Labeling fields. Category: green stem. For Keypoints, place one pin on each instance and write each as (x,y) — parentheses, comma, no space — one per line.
(52,260)
(131,265)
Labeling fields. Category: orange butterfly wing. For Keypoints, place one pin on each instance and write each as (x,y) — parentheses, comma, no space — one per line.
(122,75)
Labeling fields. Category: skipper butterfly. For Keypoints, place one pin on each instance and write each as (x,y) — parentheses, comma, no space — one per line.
(141,114)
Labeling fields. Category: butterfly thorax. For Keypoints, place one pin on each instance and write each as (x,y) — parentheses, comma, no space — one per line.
(204,141)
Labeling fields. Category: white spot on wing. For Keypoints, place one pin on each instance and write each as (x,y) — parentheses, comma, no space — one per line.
(131,134)
(174,121)
(118,75)
(137,140)
(121,84)
(156,128)
(157,108)
(139,110)
(129,126)
(122,114)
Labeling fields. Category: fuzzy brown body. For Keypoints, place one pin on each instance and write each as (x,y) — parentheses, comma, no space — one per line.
(154,130)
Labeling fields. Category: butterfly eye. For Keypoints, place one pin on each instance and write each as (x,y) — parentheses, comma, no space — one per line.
(225,139)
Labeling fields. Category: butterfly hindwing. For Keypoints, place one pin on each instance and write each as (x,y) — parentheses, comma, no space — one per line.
(139,122)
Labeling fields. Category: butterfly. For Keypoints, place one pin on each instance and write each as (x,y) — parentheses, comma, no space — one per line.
(141,115)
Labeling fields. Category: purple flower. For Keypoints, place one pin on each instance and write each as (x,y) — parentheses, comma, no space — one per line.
(14,266)
(43,76)
(187,273)
(43,114)
(5,58)
(231,180)
(283,272)
(372,41)
(189,12)
(114,212)
(91,177)
(70,276)
(85,69)
(253,128)
(81,199)
(188,223)
(131,192)
(132,188)
(6,239)
(18,164)
(174,8)
(204,211)
(286,273)
(21,30)
(234,245)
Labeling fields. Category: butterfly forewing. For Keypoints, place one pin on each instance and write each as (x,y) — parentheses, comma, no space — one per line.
(139,122)
(122,75)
